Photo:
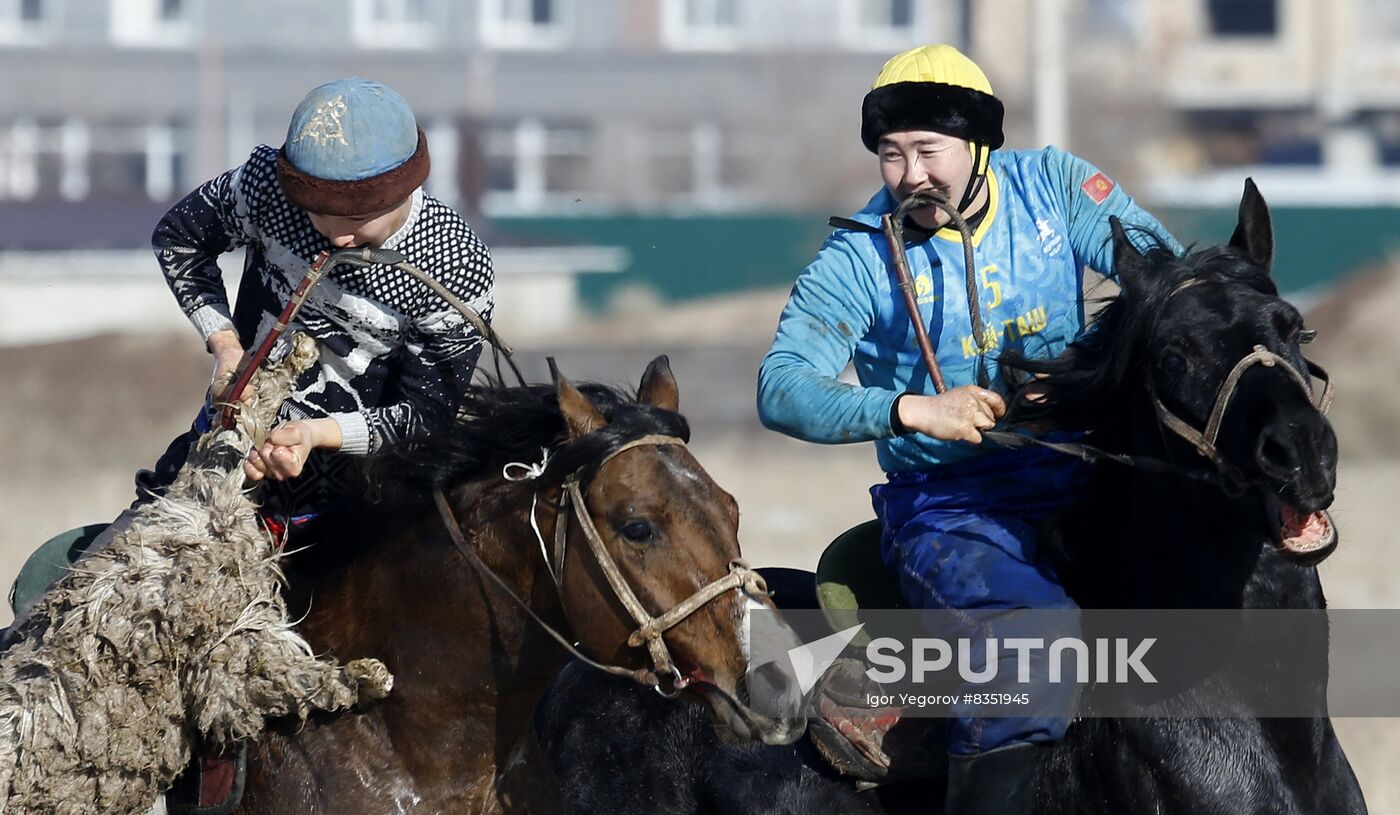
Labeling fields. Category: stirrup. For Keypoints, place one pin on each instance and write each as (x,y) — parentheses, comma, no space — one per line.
(198,791)
(846,731)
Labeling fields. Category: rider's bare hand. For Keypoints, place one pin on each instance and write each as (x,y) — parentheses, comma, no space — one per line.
(960,414)
(284,453)
(229,358)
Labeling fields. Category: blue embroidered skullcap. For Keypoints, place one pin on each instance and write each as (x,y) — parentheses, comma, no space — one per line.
(353,147)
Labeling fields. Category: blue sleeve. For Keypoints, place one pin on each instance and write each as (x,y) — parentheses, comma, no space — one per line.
(1088,197)
(831,308)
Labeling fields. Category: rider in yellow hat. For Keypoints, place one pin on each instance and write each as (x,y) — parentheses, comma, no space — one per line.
(936,88)
(959,521)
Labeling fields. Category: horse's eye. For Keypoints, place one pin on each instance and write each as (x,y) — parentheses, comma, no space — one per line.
(638,531)
(1172,364)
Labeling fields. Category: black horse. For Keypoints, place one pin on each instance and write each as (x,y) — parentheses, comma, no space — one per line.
(1166,348)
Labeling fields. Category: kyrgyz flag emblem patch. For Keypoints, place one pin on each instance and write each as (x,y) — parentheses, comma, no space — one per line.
(1097,187)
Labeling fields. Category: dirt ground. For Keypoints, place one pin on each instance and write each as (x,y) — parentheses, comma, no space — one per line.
(77,419)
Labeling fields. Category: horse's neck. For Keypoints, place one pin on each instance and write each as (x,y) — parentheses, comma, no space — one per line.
(509,542)
(449,631)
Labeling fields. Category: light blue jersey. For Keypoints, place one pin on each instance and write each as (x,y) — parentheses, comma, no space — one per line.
(1046,220)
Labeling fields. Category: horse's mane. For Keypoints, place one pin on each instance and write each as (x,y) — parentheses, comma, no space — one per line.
(1085,385)
(497,425)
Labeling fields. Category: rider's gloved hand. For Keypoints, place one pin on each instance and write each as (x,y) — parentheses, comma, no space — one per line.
(960,414)
(287,447)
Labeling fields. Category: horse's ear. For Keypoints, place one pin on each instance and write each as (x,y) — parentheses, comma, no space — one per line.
(579,414)
(1129,265)
(659,386)
(1254,234)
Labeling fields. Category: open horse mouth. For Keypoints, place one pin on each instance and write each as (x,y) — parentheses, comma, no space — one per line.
(1309,537)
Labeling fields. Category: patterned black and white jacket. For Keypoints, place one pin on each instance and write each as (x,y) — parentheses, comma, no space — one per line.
(390,348)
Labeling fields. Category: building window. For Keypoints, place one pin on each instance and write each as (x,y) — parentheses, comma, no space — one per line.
(698,168)
(533,167)
(25,21)
(524,23)
(445,140)
(1386,127)
(19,160)
(153,23)
(1109,19)
(881,24)
(75,161)
(74,147)
(697,25)
(1243,18)
(394,23)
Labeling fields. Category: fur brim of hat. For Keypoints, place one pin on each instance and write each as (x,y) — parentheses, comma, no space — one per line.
(956,111)
(367,195)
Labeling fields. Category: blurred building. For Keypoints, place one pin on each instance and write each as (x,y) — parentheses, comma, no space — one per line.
(611,121)
(1305,93)
(531,105)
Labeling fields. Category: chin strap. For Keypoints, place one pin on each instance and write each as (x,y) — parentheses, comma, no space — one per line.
(978,179)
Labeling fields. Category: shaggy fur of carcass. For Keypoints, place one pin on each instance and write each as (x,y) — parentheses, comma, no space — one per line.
(176,630)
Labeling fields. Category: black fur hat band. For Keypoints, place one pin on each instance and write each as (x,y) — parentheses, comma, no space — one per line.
(950,109)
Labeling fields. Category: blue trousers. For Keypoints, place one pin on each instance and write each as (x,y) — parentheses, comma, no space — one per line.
(964,537)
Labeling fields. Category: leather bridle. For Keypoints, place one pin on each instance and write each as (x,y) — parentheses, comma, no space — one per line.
(1204,440)
(650,629)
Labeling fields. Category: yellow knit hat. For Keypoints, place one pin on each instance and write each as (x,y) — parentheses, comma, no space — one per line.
(932,87)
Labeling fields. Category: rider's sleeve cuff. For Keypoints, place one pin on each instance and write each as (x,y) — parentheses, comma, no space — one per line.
(354,433)
(896,426)
(209,319)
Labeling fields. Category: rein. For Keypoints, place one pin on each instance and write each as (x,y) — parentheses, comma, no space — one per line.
(358,257)
(650,629)
(892,224)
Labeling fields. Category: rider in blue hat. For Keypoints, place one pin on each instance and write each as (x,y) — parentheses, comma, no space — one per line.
(391,351)
(349,174)
(959,522)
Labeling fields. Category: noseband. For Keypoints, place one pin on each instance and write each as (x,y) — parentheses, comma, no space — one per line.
(1204,440)
(650,629)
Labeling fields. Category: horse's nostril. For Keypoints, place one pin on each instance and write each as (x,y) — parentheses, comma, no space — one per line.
(1275,456)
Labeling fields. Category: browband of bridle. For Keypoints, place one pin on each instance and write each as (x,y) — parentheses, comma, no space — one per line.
(650,628)
(1204,440)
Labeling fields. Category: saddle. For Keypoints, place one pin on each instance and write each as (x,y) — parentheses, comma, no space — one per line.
(871,745)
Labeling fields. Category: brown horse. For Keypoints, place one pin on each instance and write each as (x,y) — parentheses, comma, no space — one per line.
(386,580)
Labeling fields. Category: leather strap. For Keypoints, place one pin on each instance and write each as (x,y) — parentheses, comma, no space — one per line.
(650,628)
